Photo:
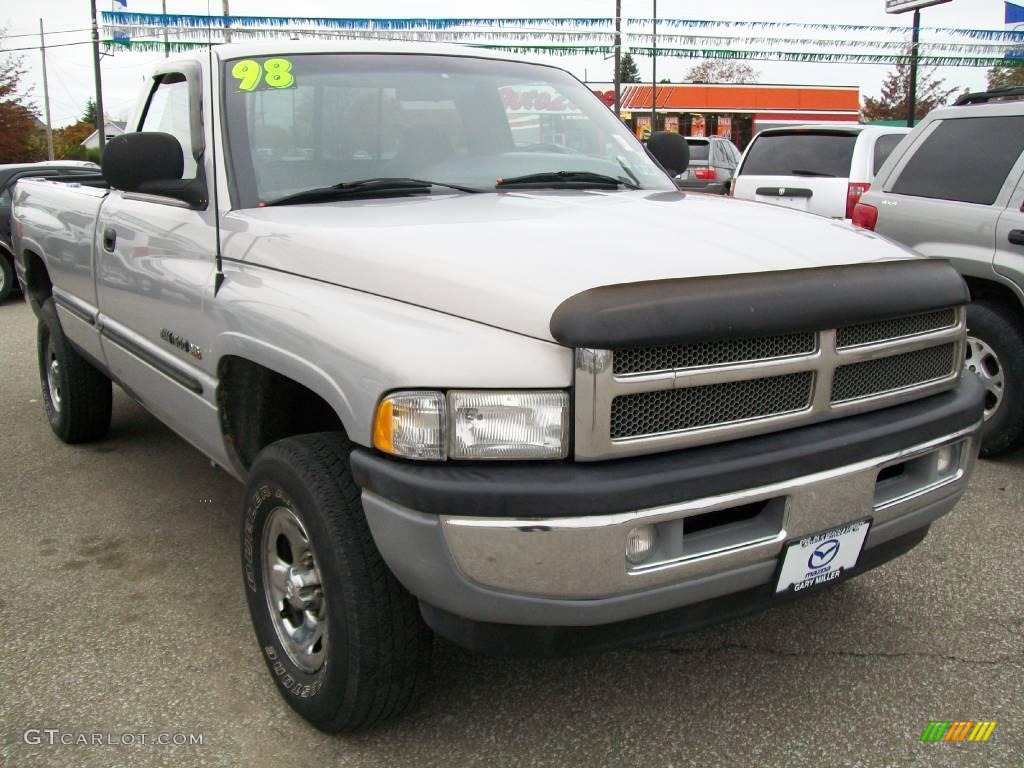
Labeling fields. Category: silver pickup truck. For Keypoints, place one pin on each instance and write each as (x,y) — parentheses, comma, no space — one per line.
(484,370)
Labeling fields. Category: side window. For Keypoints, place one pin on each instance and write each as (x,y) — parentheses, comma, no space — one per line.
(883,148)
(964,159)
(170,111)
(5,199)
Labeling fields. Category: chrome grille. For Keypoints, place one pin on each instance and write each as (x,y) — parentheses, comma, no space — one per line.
(897,328)
(888,374)
(671,410)
(645,400)
(653,359)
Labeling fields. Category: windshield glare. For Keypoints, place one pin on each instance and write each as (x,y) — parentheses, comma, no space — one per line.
(314,120)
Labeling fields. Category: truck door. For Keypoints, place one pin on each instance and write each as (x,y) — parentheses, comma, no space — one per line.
(1009,260)
(156,262)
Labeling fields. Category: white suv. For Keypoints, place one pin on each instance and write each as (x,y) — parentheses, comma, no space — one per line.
(814,168)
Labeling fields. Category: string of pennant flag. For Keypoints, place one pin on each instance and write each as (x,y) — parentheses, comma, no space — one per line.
(556,36)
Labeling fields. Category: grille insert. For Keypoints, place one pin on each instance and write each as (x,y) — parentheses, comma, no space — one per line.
(667,358)
(897,328)
(887,374)
(648,413)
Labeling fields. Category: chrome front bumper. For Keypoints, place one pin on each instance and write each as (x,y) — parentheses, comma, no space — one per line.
(584,557)
(572,571)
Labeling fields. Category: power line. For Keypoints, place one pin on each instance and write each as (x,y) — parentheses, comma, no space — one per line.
(47,47)
(57,32)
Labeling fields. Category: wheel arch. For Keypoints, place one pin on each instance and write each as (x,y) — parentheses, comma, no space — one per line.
(260,401)
(997,293)
(38,284)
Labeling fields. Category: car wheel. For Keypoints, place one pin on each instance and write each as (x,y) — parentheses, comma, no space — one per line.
(76,396)
(344,641)
(995,352)
(8,282)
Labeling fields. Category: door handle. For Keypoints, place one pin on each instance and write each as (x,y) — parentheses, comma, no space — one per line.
(109,239)
(1017,236)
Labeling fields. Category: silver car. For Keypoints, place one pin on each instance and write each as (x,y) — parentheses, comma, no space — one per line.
(713,162)
(955,190)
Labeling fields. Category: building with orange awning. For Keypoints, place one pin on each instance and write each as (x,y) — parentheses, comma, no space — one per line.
(731,110)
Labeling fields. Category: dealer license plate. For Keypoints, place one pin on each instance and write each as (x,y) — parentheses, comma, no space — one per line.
(821,558)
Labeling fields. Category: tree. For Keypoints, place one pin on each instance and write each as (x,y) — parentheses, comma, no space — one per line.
(89,115)
(67,142)
(892,103)
(722,71)
(628,71)
(665,80)
(1002,77)
(17,113)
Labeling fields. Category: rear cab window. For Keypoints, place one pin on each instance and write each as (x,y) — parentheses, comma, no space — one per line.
(965,159)
(800,153)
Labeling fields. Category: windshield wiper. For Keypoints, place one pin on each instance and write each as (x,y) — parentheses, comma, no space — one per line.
(565,178)
(383,187)
(799,172)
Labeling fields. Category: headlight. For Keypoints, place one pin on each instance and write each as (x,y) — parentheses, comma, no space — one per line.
(508,425)
(474,424)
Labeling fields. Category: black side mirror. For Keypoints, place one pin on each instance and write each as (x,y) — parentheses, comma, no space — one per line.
(151,163)
(671,150)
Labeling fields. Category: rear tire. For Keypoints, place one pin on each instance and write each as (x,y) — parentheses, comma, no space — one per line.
(995,352)
(8,282)
(76,396)
(343,640)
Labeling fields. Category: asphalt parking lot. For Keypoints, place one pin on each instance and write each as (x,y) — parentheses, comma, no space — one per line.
(122,612)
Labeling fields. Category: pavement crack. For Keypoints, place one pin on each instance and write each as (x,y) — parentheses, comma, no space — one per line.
(725,647)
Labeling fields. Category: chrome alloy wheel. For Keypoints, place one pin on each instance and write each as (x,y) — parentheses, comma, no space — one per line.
(982,360)
(293,587)
(53,376)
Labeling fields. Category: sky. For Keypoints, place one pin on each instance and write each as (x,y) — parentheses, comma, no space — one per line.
(70,68)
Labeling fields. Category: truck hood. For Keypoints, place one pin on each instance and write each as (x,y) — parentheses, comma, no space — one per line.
(509,259)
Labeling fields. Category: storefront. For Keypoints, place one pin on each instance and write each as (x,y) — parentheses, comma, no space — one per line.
(734,111)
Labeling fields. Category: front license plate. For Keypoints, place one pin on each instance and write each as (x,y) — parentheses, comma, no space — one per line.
(821,558)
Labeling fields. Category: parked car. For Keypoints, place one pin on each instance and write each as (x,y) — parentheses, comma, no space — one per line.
(9,174)
(955,190)
(463,396)
(713,162)
(818,169)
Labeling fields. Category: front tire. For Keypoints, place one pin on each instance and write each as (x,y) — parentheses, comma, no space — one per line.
(76,396)
(995,352)
(342,638)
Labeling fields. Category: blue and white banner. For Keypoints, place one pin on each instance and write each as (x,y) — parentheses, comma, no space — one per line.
(1015,23)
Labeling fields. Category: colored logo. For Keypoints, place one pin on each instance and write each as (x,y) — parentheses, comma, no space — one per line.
(958,730)
(823,554)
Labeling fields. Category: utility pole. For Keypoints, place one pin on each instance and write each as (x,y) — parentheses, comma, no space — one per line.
(618,58)
(654,71)
(167,45)
(227,24)
(912,95)
(46,94)
(100,119)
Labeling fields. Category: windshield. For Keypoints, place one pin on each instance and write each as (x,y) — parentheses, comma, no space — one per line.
(308,121)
